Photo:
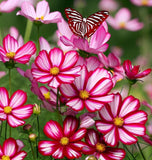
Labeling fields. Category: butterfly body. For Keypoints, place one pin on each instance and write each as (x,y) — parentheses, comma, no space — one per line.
(84,27)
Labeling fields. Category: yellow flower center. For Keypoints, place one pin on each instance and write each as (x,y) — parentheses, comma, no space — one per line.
(7,109)
(54,71)
(47,95)
(5,157)
(144,2)
(100,147)
(118,121)
(84,94)
(64,141)
(122,25)
(37,18)
(10,55)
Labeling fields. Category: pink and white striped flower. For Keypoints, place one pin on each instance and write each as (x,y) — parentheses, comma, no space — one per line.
(11,150)
(13,109)
(56,67)
(142,2)
(96,146)
(122,120)
(122,21)
(11,50)
(88,90)
(42,13)
(66,141)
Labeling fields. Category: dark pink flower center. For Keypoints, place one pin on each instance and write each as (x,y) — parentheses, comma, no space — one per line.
(84,94)
(10,55)
(54,71)
(118,121)
(7,109)
(100,147)
(64,141)
(5,157)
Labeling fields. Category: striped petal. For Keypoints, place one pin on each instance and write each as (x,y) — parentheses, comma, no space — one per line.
(3,116)
(76,104)
(18,99)
(70,60)
(42,61)
(47,148)
(58,153)
(126,137)
(4,97)
(19,156)
(14,122)
(103,127)
(56,56)
(68,90)
(53,130)
(78,135)
(10,44)
(71,153)
(54,83)
(10,147)
(23,112)
(130,104)
(93,106)
(70,125)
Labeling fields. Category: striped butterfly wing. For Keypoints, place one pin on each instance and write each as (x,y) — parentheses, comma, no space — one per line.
(94,21)
(75,21)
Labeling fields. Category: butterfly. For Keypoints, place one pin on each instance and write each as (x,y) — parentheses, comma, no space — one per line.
(85,27)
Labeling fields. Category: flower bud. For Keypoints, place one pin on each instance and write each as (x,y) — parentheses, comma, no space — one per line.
(32,137)
(91,158)
(36,109)
(27,127)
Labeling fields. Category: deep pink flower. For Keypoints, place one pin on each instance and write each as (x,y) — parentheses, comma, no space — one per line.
(56,67)
(12,51)
(13,109)
(96,146)
(42,13)
(122,20)
(142,2)
(132,72)
(96,44)
(147,139)
(66,141)
(122,120)
(88,90)
(10,150)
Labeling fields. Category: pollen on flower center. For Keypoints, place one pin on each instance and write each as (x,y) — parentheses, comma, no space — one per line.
(100,147)
(5,157)
(54,71)
(64,141)
(38,18)
(118,121)
(122,24)
(10,55)
(7,109)
(84,94)
(47,95)
(144,2)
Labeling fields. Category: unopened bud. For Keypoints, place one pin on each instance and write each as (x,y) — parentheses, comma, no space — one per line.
(32,137)
(91,158)
(27,127)
(36,109)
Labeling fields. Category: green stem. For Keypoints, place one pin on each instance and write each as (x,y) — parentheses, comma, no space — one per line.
(34,158)
(38,36)
(10,91)
(6,130)
(57,100)
(141,151)
(130,85)
(37,140)
(129,151)
(28,30)
(1,128)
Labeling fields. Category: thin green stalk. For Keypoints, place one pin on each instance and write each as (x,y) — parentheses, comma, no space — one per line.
(57,100)
(10,91)
(1,128)
(141,151)
(130,85)
(34,158)
(28,30)
(129,151)
(38,36)
(37,140)
(6,130)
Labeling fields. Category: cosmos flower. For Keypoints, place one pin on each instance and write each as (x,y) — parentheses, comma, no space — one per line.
(13,109)
(11,149)
(96,146)
(66,141)
(122,121)
(122,20)
(42,13)
(142,2)
(56,67)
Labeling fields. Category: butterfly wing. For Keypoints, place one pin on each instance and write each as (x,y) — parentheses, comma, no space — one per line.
(75,21)
(94,21)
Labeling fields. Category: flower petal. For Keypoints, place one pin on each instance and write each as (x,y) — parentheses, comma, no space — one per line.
(53,130)
(71,153)
(18,99)
(103,127)
(68,90)
(14,122)
(78,135)
(4,97)
(58,154)
(42,9)
(53,17)
(76,104)
(20,155)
